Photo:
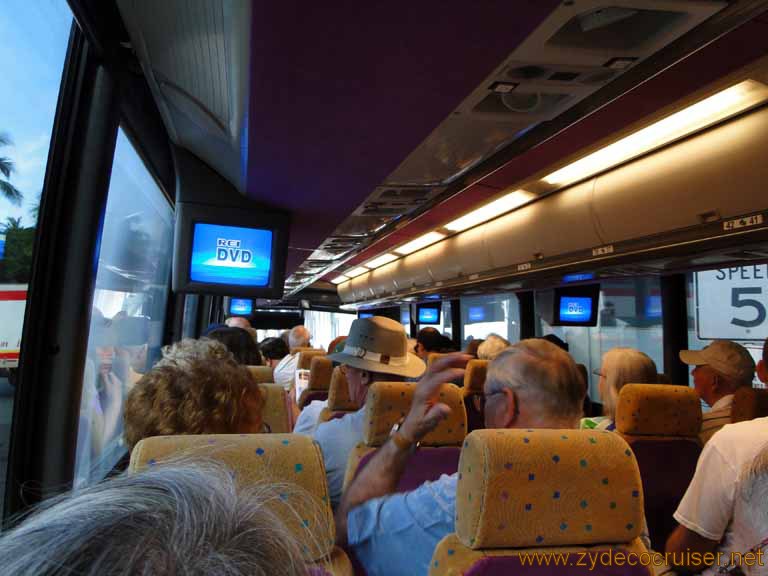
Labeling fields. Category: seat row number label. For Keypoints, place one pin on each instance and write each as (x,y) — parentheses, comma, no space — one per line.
(743,222)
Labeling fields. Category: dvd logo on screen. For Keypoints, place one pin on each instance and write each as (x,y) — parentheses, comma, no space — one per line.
(230,251)
(575,308)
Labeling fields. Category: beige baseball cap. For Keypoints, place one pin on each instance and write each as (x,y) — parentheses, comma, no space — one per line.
(728,358)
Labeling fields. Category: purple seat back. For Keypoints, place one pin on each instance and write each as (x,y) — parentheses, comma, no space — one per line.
(425,464)
(505,565)
(666,468)
(475,417)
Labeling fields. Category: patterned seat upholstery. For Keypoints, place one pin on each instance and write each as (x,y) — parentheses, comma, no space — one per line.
(339,402)
(432,356)
(749,403)
(305,358)
(320,371)
(386,405)
(275,412)
(262,374)
(293,461)
(661,423)
(474,397)
(526,492)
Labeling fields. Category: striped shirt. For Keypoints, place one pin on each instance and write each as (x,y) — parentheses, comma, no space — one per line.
(716,418)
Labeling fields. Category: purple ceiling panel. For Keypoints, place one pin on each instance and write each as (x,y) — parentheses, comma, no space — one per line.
(342,92)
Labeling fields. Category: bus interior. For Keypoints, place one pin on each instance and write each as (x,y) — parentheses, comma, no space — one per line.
(459,165)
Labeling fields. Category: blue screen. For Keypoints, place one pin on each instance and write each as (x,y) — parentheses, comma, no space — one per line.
(429,316)
(653,307)
(230,255)
(2,246)
(405,317)
(240,306)
(476,313)
(578,277)
(575,309)
(365,315)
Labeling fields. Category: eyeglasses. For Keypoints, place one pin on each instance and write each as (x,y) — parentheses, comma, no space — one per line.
(598,373)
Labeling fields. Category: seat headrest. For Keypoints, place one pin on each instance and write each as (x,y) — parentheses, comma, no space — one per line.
(387,404)
(474,377)
(275,411)
(290,460)
(749,403)
(658,410)
(262,374)
(432,356)
(320,370)
(338,393)
(531,488)
(305,358)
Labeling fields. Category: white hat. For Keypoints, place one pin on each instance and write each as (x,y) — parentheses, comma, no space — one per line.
(728,358)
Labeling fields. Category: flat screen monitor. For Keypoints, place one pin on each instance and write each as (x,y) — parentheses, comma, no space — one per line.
(477,314)
(240,306)
(428,314)
(574,305)
(575,309)
(230,251)
(653,306)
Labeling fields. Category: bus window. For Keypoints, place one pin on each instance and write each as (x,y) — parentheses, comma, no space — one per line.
(495,314)
(629,315)
(444,326)
(189,318)
(729,303)
(325,326)
(128,312)
(34,41)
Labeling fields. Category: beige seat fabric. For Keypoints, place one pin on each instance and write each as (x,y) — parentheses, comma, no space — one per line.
(275,412)
(262,374)
(320,371)
(749,403)
(387,404)
(474,377)
(338,396)
(526,491)
(305,358)
(293,462)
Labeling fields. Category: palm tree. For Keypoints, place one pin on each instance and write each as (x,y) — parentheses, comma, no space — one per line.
(7,189)
(12,223)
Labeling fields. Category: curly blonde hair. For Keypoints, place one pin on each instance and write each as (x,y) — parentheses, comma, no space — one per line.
(197,388)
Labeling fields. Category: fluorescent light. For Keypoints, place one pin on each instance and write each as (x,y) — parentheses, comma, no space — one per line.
(703,114)
(496,208)
(340,279)
(356,271)
(381,260)
(419,243)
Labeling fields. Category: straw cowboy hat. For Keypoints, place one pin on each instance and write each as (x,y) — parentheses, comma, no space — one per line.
(379,344)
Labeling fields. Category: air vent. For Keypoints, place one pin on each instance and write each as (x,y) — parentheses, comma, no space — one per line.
(519,103)
(615,28)
(528,72)
(564,76)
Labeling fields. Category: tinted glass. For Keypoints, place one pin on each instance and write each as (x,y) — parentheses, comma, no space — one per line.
(493,314)
(129,305)
(33,41)
(325,326)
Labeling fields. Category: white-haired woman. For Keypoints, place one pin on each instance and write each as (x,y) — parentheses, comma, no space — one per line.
(620,366)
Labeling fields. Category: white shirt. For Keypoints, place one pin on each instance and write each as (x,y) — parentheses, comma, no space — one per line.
(712,506)
(337,438)
(285,371)
(309,418)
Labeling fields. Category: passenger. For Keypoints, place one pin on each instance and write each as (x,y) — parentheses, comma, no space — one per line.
(285,371)
(132,335)
(720,369)
(557,341)
(472,347)
(492,347)
(273,350)
(428,340)
(724,509)
(533,384)
(192,519)
(238,322)
(197,388)
(376,350)
(620,366)
(240,343)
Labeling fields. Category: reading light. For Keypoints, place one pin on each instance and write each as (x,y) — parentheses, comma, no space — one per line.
(356,271)
(419,243)
(716,108)
(491,210)
(340,279)
(381,260)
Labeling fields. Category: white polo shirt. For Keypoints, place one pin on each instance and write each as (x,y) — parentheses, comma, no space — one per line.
(713,506)
(285,371)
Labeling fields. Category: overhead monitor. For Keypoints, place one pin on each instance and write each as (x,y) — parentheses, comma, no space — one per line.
(653,306)
(476,314)
(428,314)
(222,250)
(569,305)
(575,309)
(392,312)
(240,306)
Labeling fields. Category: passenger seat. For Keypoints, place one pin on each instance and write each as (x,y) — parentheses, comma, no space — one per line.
(474,393)
(339,402)
(749,403)
(293,461)
(320,371)
(661,423)
(386,405)
(545,492)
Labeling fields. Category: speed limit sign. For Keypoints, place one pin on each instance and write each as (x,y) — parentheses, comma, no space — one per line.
(732,303)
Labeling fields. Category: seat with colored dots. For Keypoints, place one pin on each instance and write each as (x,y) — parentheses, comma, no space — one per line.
(521,492)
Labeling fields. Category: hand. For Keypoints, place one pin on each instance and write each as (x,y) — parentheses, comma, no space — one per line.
(426,412)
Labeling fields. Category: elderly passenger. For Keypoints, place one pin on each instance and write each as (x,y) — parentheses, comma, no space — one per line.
(533,384)
(285,371)
(197,388)
(492,347)
(190,519)
(273,350)
(240,343)
(620,366)
(719,369)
